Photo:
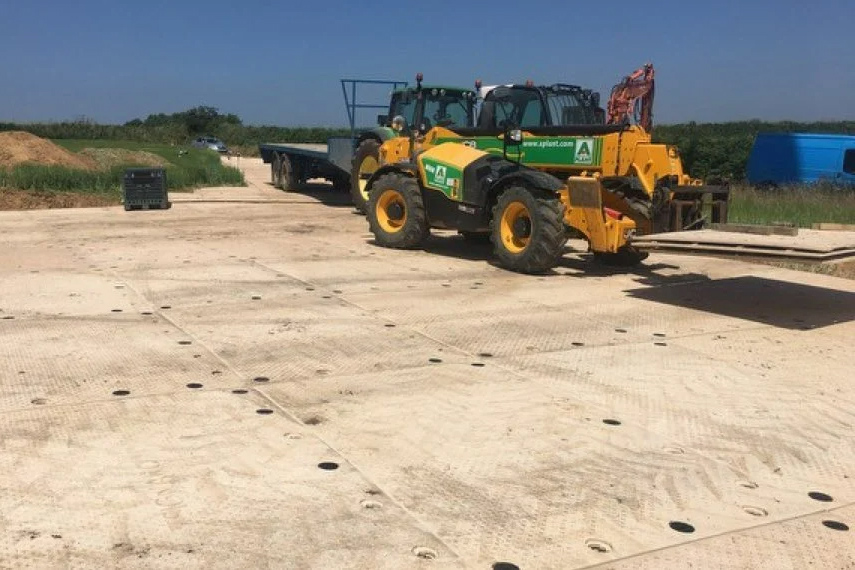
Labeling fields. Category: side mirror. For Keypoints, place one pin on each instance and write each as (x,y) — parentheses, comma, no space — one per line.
(382,120)
(513,137)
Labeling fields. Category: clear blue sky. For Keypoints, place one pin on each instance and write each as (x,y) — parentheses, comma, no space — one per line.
(279,62)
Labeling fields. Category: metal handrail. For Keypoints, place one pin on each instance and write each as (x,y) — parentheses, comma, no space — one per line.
(351,103)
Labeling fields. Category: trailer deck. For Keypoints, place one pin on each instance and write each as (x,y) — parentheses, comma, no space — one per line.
(226,385)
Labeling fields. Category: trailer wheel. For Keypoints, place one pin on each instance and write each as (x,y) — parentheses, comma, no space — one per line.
(341,184)
(366,161)
(275,165)
(287,176)
(528,230)
(396,212)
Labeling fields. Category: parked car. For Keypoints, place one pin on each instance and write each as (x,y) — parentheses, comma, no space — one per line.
(210,143)
(798,158)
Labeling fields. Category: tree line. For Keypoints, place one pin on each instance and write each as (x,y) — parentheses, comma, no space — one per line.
(707,149)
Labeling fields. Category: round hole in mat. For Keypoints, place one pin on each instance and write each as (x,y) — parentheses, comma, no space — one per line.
(121,392)
(435,360)
(821,497)
(264,411)
(478,364)
(216,372)
(661,343)
(485,354)
(425,553)
(835,525)
(659,335)
(256,297)
(166,306)
(577,343)
(194,385)
(620,330)
(389,326)
(681,526)
(240,391)
(261,379)
(184,342)
(146,313)
(611,422)
(598,545)
(505,566)
(328,465)
(115,310)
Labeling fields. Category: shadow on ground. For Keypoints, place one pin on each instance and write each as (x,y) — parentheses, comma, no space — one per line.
(769,301)
(323,193)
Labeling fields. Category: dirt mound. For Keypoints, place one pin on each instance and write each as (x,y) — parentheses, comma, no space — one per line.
(17,147)
(106,158)
(30,200)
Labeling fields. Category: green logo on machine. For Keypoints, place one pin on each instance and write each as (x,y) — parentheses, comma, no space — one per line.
(560,151)
(585,151)
(442,177)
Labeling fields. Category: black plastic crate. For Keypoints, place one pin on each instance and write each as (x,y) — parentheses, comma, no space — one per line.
(145,189)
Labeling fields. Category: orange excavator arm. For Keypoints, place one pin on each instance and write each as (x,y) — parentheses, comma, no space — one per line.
(631,100)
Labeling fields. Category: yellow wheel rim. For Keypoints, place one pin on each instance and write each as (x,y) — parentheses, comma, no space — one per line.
(368,167)
(391,211)
(515,227)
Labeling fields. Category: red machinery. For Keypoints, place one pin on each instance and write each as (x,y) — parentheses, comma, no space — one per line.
(631,100)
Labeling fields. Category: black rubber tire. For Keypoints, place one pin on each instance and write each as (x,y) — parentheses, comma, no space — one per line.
(287,176)
(547,235)
(369,148)
(341,184)
(274,171)
(626,256)
(415,228)
(476,237)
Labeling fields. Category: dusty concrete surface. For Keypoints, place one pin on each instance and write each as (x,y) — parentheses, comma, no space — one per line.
(406,409)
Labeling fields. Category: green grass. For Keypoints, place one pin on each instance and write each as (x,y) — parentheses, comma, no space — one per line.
(188,168)
(799,205)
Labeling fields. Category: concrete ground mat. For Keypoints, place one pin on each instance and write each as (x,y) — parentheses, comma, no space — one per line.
(244,385)
(806,245)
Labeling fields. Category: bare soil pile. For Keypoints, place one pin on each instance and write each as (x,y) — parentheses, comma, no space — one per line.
(18,147)
(29,200)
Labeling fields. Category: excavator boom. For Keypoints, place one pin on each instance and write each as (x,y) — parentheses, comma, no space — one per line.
(631,100)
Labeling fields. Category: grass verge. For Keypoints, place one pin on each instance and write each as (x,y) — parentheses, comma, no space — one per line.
(185,169)
(798,205)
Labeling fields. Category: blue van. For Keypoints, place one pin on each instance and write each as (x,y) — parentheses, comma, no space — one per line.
(796,158)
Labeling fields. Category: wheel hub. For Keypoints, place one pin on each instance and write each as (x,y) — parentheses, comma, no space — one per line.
(395,211)
(521,227)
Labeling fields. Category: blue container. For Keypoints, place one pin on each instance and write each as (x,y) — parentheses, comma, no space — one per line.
(795,158)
